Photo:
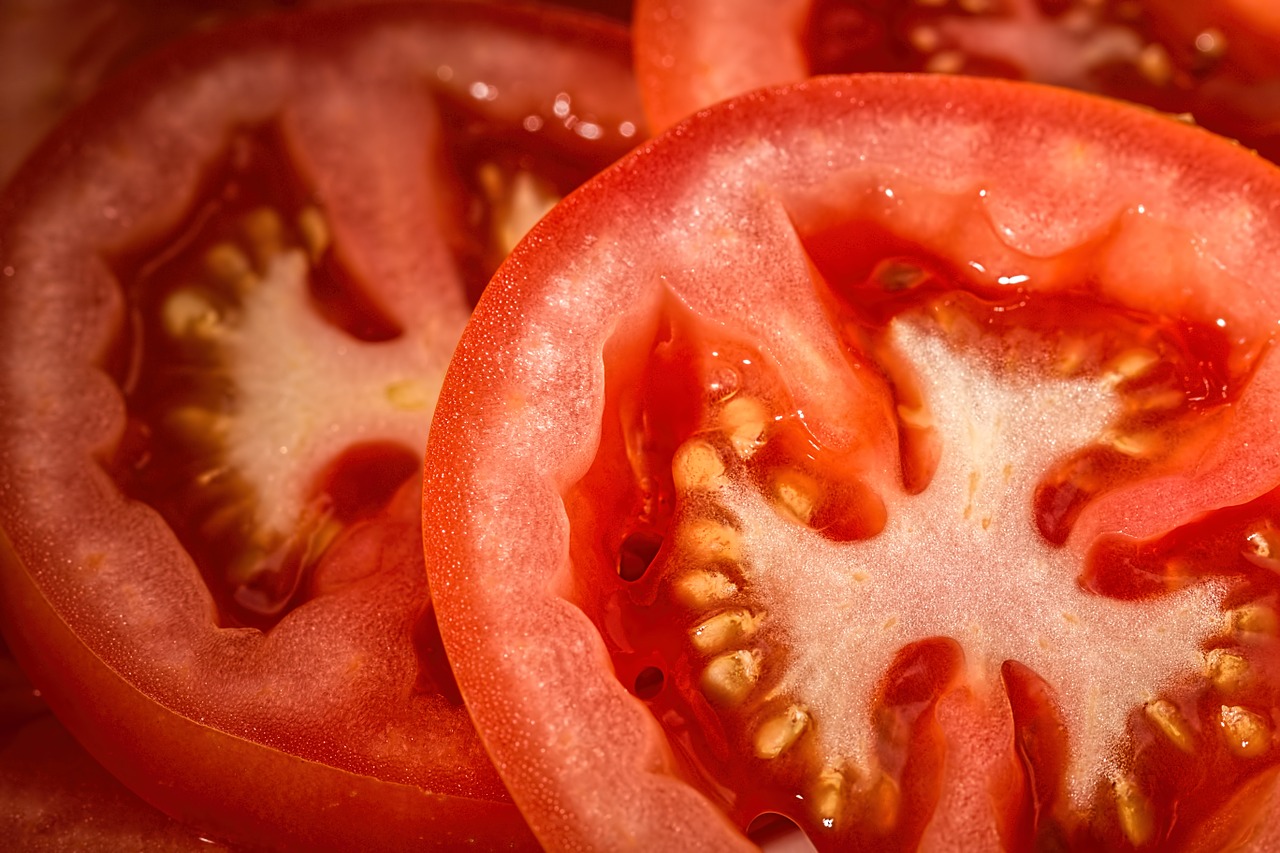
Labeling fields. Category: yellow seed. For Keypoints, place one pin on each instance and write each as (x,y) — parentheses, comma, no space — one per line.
(1168,719)
(1158,401)
(1072,358)
(1133,363)
(945,62)
(827,796)
(711,540)
(697,466)
(197,425)
(528,199)
(314,229)
(778,734)
(1155,65)
(917,417)
(729,628)
(189,314)
(1254,619)
(730,677)
(1246,733)
(744,420)
(265,232)
(409,395)
(882,805)
(228,265)
(1134,812)
(1228,671)
(700,589)
(1133,445)
(925,39)
(795,495)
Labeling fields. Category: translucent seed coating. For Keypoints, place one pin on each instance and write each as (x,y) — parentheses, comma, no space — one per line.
(795,495)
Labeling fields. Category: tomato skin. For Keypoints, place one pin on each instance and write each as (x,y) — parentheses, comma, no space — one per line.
(265,739)
(705,217)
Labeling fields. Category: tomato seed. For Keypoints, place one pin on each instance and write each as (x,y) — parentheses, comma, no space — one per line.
(729,628)
(697,466)
(778,734)
(1246,733)
(729,678)
(1227,671)
(700,588)
(1134,812)
(1168,719)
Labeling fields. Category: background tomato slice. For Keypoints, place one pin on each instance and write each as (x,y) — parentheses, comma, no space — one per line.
(616,427)
(1212,61)
(332,724)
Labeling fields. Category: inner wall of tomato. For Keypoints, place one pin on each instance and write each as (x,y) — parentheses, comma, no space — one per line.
(935,505)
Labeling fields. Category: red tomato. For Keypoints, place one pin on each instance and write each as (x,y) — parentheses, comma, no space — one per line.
(1215,61)
(230,286)
(892,454)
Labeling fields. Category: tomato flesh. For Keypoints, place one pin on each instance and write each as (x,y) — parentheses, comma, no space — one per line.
(231,287)
(813,454)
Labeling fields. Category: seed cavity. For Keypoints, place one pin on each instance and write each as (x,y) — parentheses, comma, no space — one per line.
(637,553)
(743,421)
(778,734)
(1134,811)
(729,678)
(1246,733)
(729,628)
(1169,720)
(697,467)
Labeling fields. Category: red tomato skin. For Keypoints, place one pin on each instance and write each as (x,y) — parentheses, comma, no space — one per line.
(494,522)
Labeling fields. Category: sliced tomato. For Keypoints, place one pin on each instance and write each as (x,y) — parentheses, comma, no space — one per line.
(1214,62)
(892,454)
(230,286)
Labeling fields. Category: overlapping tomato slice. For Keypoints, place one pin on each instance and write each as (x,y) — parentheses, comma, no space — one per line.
(1214,63)
(895,455)
(228,289)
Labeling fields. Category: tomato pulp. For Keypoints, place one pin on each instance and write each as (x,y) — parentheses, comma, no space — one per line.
(889,453)
(230,286)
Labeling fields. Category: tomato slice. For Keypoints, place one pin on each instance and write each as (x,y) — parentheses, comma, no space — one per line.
(893,454)
(230,286)
(1214,62)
